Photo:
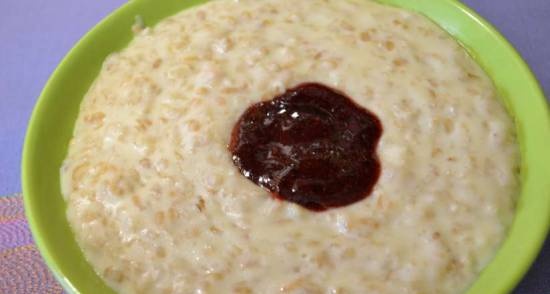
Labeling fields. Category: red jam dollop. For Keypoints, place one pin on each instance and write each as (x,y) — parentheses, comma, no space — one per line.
(311,145)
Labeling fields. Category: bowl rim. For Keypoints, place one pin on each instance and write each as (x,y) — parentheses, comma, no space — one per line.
(528,253)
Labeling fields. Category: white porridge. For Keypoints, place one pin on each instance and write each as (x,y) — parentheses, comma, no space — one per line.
(158,206)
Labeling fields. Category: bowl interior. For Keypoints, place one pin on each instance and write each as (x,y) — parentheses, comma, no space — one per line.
(51,127)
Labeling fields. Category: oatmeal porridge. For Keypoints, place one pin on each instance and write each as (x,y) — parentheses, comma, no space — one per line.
(158,205)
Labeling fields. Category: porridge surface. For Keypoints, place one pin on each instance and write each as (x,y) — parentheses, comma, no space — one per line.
(157,205)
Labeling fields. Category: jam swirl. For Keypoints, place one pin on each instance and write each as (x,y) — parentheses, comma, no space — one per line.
(312,145)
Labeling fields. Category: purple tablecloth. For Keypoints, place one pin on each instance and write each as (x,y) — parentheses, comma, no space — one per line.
(36,34)
(21,267)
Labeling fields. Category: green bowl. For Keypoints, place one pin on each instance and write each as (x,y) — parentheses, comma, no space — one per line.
(52,122)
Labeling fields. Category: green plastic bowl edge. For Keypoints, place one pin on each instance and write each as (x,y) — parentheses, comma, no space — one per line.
(532,221)
(489,48)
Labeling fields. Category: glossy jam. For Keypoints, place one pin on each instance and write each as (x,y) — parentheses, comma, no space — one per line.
(311,145)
